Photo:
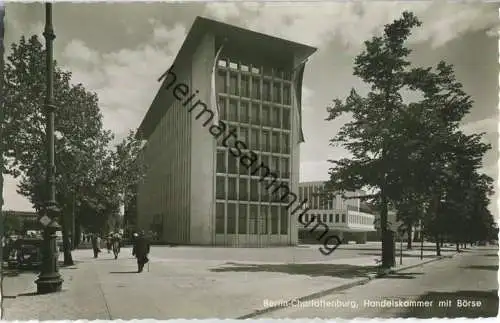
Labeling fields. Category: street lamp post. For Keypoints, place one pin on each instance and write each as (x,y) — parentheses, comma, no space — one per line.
(49,280)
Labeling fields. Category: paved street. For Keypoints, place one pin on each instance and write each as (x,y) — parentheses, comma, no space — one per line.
(470,278)
(193,282)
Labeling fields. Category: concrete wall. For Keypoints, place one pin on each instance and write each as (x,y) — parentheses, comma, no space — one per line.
(165,190)
(203,145)
(295,160)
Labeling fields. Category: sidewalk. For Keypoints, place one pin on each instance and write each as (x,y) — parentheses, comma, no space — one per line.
(178,288)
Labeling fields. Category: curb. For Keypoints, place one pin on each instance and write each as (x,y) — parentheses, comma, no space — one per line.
(361,281)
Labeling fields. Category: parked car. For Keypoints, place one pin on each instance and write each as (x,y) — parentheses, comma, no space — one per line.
(26,253)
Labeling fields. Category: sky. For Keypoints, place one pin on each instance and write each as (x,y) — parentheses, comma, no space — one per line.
(118,50)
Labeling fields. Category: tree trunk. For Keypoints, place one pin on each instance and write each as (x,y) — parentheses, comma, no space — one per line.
(388,252)
(410,231)
(441,242)
(457,246)
(438,247)
(2,234)
(78,233)
(68,259)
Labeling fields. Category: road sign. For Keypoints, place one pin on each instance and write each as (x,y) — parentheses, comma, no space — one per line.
(45,220)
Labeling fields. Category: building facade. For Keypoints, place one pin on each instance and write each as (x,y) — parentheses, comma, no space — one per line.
(223,136)
(342,215)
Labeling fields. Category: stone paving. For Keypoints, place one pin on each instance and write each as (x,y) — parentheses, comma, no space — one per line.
(191,282)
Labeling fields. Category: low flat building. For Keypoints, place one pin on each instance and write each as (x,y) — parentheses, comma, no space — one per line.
(343,216)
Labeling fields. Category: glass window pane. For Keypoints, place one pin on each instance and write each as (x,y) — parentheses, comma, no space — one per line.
(245,86)
(252,225)
(265,193)
(244,136)
(233,110)
(277,92)
(266,115)
(266,142)
(221,82)
(285,144)
(331,218)
(230,142)
(275,142)
(265,161)
(287,96)
(233,83)
(285,170)
(254,190)
(255,139)
(325,218)
(256,88)
(343,218)
(266,90)
(242,219)
(219,218)
(255,114)
(221,161)
(275,117)
(275,165)
(244,113)
(337,218)
(263,220)
(232,164)
(222,108)
(243,189)
(231,190)
(231,218)
(220,188)
(284,220)
(286,124)
(274,220)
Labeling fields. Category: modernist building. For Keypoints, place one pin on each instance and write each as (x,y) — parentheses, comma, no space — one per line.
(229,105)
(342,215)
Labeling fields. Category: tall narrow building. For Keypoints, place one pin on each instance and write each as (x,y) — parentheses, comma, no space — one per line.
(223,136)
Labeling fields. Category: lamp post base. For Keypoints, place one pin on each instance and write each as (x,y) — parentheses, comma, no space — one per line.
(49,280)
(46,284)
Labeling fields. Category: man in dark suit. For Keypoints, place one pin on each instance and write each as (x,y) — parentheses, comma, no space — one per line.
(141,248)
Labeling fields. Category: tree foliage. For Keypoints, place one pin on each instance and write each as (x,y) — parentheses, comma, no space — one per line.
(412,154)
(372,137)
(90,173)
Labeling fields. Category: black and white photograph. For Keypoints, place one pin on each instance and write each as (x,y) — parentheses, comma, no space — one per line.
(249,160)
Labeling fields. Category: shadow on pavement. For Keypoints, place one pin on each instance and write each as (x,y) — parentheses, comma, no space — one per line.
(28,294)
(485,267)
(333,270)
(406,255)
(486,305)
(491,255)
(123,272)
(348,247)
(402,275)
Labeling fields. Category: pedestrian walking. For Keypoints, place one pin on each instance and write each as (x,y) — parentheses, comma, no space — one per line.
(109,241)
(134,239)
(142,247)
(95,244)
